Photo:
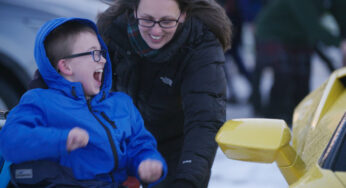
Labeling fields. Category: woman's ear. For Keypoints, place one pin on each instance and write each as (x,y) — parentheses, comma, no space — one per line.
(64,67)
(182,17)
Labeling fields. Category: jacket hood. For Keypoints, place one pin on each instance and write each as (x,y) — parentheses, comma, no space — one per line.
(49,74)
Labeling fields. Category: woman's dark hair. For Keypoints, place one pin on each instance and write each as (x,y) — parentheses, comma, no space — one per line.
(208,11)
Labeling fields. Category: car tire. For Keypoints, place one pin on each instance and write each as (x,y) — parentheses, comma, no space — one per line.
(8,95)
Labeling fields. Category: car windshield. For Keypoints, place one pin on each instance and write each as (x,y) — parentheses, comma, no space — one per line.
(335,154)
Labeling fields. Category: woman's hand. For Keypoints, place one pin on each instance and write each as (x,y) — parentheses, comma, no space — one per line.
(150,170)
(77,138)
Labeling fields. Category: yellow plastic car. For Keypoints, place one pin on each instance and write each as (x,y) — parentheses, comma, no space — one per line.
(313,154)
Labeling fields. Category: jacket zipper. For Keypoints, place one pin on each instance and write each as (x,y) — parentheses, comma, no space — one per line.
(103,114)
(111,141)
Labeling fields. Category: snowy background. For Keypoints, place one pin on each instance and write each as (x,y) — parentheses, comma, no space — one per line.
(228,173)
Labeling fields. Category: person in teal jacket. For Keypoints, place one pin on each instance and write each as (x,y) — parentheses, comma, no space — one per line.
(78,122)
(287,32)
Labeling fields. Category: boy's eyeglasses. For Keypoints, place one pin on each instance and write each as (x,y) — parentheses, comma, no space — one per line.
(96,54)
(166,24)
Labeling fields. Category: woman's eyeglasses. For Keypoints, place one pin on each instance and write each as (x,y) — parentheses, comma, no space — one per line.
(96,54)
(166,24)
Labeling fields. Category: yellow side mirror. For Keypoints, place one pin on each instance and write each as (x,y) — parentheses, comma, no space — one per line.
(253,139)
(261,140)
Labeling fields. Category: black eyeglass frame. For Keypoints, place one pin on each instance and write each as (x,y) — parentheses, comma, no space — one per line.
(92,53)
(157,22)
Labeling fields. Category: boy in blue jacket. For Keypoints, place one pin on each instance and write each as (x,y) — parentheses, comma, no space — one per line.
(77,122)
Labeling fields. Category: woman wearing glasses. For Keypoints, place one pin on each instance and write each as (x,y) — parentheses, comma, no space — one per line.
(168,56)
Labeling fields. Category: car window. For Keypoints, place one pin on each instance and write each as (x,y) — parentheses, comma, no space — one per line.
(334,155)
(340,162)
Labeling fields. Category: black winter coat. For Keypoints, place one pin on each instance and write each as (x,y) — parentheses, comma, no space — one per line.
(180,93)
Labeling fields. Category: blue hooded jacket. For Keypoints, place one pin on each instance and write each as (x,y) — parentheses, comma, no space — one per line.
(37,128)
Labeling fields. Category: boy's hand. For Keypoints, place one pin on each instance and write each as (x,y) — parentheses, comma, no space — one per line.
(77,138)
(150,170)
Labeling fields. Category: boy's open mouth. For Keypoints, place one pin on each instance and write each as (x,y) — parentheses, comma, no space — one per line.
(98,75)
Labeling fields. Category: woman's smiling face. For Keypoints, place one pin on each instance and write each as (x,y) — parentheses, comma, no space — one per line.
(156,37)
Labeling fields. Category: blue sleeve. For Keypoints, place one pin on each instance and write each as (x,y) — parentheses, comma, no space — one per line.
(25,135)
(142,146)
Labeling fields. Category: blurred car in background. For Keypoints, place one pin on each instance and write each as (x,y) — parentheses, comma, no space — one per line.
(19,23)
(313,154)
